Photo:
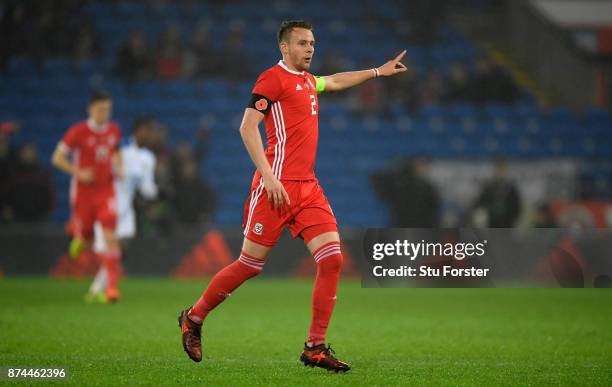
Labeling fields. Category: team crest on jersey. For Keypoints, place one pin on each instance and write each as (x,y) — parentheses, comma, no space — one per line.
(258,228)
(261,105)
(298,87)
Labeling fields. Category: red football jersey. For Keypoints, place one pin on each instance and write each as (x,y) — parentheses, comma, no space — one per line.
(292,125)
(92,148)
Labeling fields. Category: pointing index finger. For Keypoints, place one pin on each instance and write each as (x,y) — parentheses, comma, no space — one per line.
(400,56)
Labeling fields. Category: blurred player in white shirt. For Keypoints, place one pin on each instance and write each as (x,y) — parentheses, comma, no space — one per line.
(139,174)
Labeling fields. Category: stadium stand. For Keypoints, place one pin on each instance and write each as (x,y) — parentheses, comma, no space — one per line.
(45,97)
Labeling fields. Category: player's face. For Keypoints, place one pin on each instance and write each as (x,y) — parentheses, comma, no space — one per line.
(300,48)
(146,135)
(100,111)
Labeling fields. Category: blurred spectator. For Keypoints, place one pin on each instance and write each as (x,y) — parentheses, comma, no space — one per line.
(194,200)
(87,44)
(458,85)
(184,196)
(156,217)
(370,98)
(413,200)
(492,84)
(134,62)
(8,159)
(543,217)
(11,17)
(405,90)
(39,30)
(43,28)
(499,204)
(169,53)
(31,193)
(333,62)
(186,176)
(201,60)
(421,21)
(430,89)
(233,55)
(185,151)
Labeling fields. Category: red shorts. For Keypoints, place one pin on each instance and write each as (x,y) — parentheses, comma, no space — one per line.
(91,208)
(308,215)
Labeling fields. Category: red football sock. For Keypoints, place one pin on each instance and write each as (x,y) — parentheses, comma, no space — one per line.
(112,262)
(329,261)
(224,283)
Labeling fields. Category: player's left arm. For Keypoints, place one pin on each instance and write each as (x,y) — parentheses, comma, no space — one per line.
(342,81)
(117,160)
(117,157)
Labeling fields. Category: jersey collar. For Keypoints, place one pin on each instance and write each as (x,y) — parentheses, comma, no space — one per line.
(96,128)
(284,66)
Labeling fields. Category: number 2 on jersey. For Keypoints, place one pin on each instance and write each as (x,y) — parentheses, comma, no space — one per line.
(101,153)
(313,103)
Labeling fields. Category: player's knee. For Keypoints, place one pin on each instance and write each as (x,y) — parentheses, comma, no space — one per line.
(252,266)
(331,264)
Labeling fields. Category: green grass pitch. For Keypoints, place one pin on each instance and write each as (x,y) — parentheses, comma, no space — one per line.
(463,337)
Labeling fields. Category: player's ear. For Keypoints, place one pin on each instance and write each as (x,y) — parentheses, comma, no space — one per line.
(283,47)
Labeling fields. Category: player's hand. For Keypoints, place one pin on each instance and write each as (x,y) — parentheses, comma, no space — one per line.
(119,173)
(394,66)
(276,192)
(85,175)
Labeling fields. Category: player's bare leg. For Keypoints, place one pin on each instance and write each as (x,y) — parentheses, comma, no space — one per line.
(111,260)
(248,265)
(325,248)
(97,289)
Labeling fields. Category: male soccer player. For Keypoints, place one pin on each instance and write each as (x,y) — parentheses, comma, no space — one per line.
(285,98)
(138,174)
(95,161)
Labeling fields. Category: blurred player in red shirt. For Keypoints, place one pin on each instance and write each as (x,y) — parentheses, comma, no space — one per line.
(89,153)
(285,97)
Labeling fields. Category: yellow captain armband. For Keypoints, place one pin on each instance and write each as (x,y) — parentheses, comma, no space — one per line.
(320,84)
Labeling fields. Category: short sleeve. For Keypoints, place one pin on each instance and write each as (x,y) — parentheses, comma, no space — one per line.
(319,84)
(71,139)
(268,85)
